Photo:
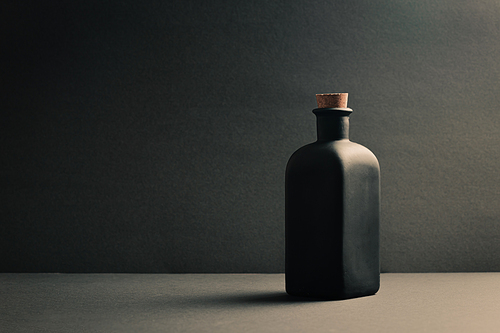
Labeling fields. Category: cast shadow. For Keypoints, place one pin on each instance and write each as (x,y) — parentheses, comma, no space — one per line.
(233,300)
(269,298)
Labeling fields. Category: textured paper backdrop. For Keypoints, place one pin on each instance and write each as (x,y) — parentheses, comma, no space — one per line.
(153,136)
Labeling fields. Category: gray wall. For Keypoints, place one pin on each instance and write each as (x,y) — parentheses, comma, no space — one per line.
(152,136)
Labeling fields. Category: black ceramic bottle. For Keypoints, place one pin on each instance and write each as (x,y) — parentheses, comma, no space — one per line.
(332,211)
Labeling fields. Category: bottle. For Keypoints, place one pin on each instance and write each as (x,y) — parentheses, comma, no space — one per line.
(332,211)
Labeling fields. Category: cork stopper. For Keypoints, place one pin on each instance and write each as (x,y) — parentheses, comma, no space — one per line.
(332,100)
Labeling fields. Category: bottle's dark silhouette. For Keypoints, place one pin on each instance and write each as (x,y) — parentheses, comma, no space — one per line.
(332,214)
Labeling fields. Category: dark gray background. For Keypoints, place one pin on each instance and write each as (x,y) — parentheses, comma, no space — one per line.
(152,136)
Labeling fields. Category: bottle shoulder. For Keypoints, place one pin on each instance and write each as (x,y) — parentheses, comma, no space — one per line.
(340,152)
(357,152)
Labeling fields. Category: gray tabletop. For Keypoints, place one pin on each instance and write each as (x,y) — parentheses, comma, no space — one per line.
(437,302)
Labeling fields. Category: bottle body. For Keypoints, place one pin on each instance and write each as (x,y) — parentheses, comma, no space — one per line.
(332,211)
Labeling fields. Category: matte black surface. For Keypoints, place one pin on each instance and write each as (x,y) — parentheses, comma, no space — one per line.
(332,214)
(152,136)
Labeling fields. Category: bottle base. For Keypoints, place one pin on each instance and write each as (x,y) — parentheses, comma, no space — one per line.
(330,296)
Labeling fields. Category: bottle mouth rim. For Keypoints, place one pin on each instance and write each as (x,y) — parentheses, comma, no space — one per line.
(332,111)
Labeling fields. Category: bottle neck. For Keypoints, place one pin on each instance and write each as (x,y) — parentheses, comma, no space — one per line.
(332,123)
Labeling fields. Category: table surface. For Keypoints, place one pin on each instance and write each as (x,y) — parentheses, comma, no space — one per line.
(430,302)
